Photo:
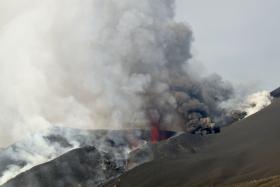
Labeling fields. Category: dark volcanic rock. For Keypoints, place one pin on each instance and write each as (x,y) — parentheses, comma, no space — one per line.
(58,141)
(170,148)
(112,146)
(83,167)
(245,151)
(104,156)
(275,93)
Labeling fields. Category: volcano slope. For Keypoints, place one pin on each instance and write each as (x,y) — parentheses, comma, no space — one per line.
(45,146)
(246,151)
(99,156)
(71,170)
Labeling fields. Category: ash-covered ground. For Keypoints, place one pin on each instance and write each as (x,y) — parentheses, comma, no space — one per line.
(110,146)
(244,151)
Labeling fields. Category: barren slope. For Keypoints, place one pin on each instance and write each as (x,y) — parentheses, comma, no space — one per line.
(245,151)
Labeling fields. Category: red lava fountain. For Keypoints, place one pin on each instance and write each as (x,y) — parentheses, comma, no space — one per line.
(155,126)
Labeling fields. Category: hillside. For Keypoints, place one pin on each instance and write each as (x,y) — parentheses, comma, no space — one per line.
(245,151)
(266,182)
(81,167)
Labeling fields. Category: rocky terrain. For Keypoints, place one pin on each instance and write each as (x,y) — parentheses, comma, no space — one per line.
(245,151)
(110,147)
(81,167)
(244,154)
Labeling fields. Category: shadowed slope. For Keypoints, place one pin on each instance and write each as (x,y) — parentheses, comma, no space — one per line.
(80,167)
(245,151)
(267,182)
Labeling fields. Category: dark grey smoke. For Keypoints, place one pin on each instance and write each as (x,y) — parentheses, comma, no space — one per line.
(99,64)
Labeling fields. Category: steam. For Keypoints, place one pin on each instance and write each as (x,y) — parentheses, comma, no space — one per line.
(33,150)
(99,64)
(257,102)
(251,104)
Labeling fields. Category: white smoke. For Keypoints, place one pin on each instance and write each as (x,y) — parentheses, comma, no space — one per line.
(256,102)
(249,104)
(86,64)
(35,149)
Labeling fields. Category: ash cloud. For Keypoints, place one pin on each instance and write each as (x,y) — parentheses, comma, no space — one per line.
(87,64)
(100,64)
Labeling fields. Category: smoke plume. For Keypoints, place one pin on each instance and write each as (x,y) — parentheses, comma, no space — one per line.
(99,64)
(92,64)
(249,104)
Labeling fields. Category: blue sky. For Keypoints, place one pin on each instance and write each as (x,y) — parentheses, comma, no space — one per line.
(238,39)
